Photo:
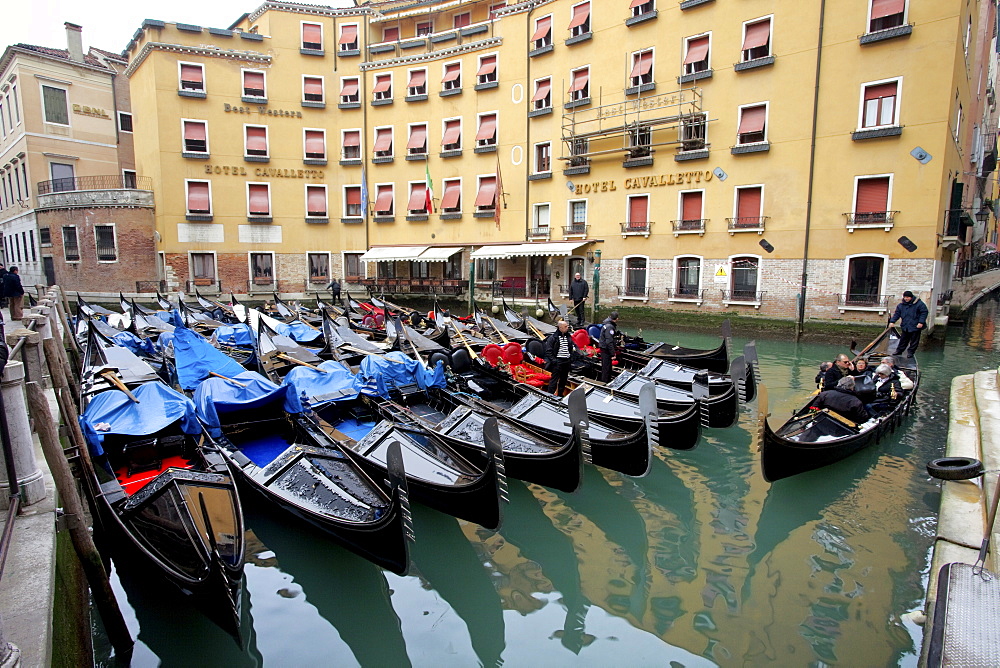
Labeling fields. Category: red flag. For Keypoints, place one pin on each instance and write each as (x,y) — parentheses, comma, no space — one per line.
(499,196)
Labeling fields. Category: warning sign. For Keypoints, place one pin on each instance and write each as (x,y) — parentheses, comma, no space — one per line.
(721,273)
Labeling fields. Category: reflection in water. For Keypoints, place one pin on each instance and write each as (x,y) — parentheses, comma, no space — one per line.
(701,562)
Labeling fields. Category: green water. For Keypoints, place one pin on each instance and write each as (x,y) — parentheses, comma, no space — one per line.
(699,563)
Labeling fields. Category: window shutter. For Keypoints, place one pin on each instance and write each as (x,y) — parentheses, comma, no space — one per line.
(487,65)
(487,127)
(691,206)
(542,90)
(757,35)
(192,73)
(198,200)
(880,90)
(697,50)
(312,33)
(390,34)
(256,139)
(752,119)
(452,194)
(354,196)
(580,79)
(316,201)
(383,202)
(417,78)
(452,133)
(253,80)
(382,84)
(580,15)
(643,63)
(260,201)
(312,86)
(195,131)
(883,8)
(418,137)
(348,34)
(487,194)
(383,140)
(638,208)
(873,195)
(418,197)
(748,203)
(315,142)
(352,138)
(350,88)
(451,72)
(542,28)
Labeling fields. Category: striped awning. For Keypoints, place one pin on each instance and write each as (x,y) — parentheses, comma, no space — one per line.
(392,253)
(439,254)
(545,249)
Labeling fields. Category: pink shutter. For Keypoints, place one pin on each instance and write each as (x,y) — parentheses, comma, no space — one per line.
(638,211)
(198,200)
(315,142)
(390,34)
(748,203)
(256,139)
(487,194)
(192,73)
(383,202)
(487,65)
(452,133)
(542,28)
(354,196)
(691,206)
(452,194)
(418,197)
(487,127)
(881,90)
(873,195)
(382,84)
(312,33)
(195,131)
(451,72)
(697,50)
(752,120)
(313,86)
(580,15)
(348,34)
(757,35)
(643,63)
(316,201)
(352,138)
(253,80)
(350,88)
(542,90)
(417,78)
(383,140)
(637,3)
(260,202)
(580,79)
(882,8)
(418,137)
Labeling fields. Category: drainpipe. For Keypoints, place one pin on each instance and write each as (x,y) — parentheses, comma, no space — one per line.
(597,286)
(812,172)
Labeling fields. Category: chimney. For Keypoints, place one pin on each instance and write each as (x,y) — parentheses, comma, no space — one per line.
(74,41)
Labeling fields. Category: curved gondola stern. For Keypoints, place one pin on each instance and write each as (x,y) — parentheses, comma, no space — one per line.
(752,372)
(400,497)
(495,465)
(700,392)
(647,407)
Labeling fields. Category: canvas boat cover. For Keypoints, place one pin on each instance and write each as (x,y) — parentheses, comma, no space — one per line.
(334,383)
(234,335)
(248,390)
(195,357)
(158,407)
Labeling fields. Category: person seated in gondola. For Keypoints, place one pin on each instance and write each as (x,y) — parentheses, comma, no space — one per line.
(823,368)
(842,400)
(904,381)
(842,366)
(861,368)
(888,391)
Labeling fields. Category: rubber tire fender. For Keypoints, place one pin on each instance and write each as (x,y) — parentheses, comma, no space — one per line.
(955,468)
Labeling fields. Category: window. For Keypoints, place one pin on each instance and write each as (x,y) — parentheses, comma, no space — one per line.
(638,213)
(315,144)
(63,178)
(453,268)
(349,91)
(871,200)
(879,106)
(543,157)
(195,136)
(312,36)
(262,268)
(424,28)
(451,198)
(642,68)
(864,280)
(312,89)
(688,281)
(390,34)
(316,205)
(253,84)
(351,142)
(56,109)
(31,245)
(383,143)
(258,200)
(640,138)
(17,107)
(129,179)
(352,202)
(203,268)
(382,90)
(486,269)
(641,7)
(255,138)
(578,150)
(462,20)
(124,121)
(743,282)
(192,77)
(542,36)
(496,7)
(348,37)
(540,218)
(749,203)
(417,85)
(579,88)
(636,276)
(487,70)
(968,37)
(419,202)
(696,59)
(104,236)
(486,196)
(958,119)
(579,24)
(756,40)
(753,124)
(384,200)
(542,99)
(44,236)
(693,132)
(71,248)
(691,210)
(886,14)
(451,139)
(352,266)
(417,143)
(319,267)
(487,134)
(577,217)
(452,79)
(199,198)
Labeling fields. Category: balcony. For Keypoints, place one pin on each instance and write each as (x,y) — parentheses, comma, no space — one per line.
(633,292)
(870,220)
(96,191)
(957,223)
(863,302)
(751,224)
(743,297)
(693,226)
(635,229)
(576,230)
(539,233)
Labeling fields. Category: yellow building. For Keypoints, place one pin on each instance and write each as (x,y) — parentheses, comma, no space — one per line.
(692,155)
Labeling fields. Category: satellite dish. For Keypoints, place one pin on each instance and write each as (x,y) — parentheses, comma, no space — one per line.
(569,184)
(922,156)
(719,174)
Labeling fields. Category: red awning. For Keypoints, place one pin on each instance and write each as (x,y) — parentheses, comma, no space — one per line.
(192,73)
(452,133)
(348,34)
(418,197)
(542,89)
(195,130)
(417,78)
(487,127)
(315,142)
(697,50)
(418,137)
(643,63)
(580,15)
(752,119)
(881,90)
(542,28)
(316,201)
(260,202)
(637,3)
(451,72)
(352,138)
(487,195)
(452,195)
(757,35)
(487,65)
(354,195)
(198,199)
(383,140)
(312,33)
(256,139)
(382,84)
(580,79)
(350,88)
(253,80)
(882,8)
(383,202)
(312,86)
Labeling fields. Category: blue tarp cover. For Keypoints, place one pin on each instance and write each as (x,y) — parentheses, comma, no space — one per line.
(377,375)
(158,407)
(196,357)
(298,331)
(314,383)
(234,335)
(134,343)
(219,396)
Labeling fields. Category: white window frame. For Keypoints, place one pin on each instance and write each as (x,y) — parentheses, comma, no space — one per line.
(42,85)
(496,70)
(535,167)
(680,210)
(274,267)
(535,106)
(120,114)
(215,264)
(208,150)
(326,145)
(868,16)
(676,275)
(461,193)
(135,176)
(361,144)
(343,82)
(536,228)
(392,188)
(267,141)
(652,68)
(62,239)
(322,85)
(243,86)
(861,104)
(204,77)
(392,135)
(451,85)
(114,231)
(187,201)
(883,283)
(357,37)
(496,129)
(343,199)
(760,275)
(628,215)
(322,36)
(326,195)
(689,68)
(888,202)
(382,95)
(624,278)
(579,30)
(770,37)
(736,209)
(461,133)
(767,122)
(569,216)
(409,75)
(329,267)
(584,93)
(270,203)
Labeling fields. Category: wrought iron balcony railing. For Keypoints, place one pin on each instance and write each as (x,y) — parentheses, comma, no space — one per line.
(864,301)
(106,182)
(696,225)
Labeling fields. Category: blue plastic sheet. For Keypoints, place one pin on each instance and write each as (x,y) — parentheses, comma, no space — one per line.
(196,357)
(377,375)
(132,342)
(311,383)
(218,396)
(234,335)
(298,331)
(158,407)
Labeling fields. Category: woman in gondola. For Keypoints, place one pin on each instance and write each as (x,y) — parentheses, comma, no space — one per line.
(888,391)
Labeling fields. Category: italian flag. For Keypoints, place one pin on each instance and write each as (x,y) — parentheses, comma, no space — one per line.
(428,189)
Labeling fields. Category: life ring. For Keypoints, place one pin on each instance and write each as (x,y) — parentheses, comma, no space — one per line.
(955,468)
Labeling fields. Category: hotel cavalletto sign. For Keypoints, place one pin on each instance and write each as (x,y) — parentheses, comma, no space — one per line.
(643,182)
(264,172)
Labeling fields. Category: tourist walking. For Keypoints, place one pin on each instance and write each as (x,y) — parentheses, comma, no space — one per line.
(578,292)
(608,343)
(334,289)
(912,314)
(13,291)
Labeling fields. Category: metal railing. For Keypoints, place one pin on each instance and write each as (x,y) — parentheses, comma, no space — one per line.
(540,232)
(535,287)
(576,230)
(956,221)
(106,182)
(977,265)
(636,228)
(150,286)
(693,225)
(873,218)
(685,293)
(864,301)
(749,296)
(747,223)
(633,291)
(421,286)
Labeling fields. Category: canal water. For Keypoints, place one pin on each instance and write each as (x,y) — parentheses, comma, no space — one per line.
(699,563)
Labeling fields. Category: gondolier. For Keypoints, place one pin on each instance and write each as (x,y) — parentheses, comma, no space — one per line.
(334,289)
(579,290)
(608,343)
(912,314)
(560,351)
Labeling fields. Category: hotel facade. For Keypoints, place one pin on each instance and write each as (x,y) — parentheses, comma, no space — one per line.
(784,159)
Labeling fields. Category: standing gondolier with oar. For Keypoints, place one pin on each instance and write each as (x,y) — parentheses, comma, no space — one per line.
(579,290)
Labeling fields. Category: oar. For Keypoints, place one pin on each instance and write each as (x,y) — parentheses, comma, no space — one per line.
(874,342)
(231,380)
(113,378)
(497,330)
(289,358)
(538,332)
(465,341)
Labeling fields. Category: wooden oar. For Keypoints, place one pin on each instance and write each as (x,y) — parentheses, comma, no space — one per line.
(840,418)
(873,343)
(231,380)
(465,341)
(110,376)
(497,330)
(289,358)
(538,332)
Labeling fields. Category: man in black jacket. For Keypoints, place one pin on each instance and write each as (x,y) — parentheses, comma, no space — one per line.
(912,313)
(841,367)
(608,344)
(13,291)
(842,400)
(560,351)
(578,292)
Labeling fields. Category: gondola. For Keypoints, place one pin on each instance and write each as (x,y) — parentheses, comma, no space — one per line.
(811,439)
(129,304)
(637,353)
(157,484)
(164,303)
(91,310)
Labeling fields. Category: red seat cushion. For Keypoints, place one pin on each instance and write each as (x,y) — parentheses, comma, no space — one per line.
(492,354)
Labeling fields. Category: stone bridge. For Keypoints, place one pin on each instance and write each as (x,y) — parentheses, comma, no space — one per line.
(968,291)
